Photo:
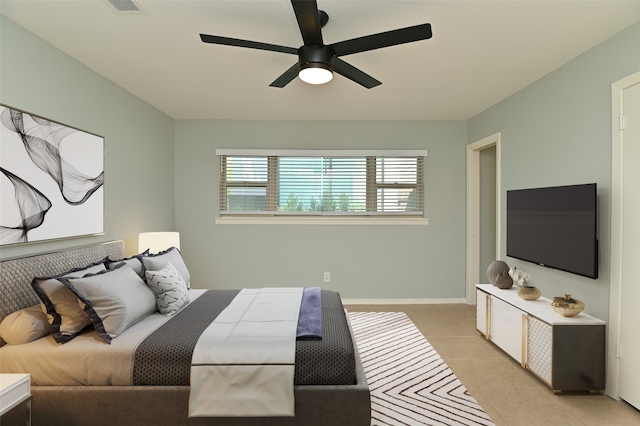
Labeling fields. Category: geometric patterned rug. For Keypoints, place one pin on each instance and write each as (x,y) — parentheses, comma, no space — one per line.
(410,383)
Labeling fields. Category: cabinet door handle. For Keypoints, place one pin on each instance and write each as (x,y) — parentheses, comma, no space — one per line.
(488,316)
(525,334)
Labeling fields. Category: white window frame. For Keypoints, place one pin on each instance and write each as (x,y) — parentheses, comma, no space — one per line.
(326,218)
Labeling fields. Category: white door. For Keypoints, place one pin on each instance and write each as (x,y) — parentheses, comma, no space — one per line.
(629,378)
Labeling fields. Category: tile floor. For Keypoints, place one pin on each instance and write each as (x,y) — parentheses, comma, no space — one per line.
(509,394)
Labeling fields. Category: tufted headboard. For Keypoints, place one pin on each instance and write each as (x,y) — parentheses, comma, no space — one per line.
(16,274)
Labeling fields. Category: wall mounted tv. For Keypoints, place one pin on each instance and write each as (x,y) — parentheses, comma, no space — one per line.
(555,227)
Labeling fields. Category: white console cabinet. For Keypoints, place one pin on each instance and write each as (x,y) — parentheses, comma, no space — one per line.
(567,353)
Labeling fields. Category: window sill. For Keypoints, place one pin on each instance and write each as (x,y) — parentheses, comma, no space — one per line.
(289,220)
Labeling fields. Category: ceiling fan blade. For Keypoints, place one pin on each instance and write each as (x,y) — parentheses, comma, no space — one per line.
(308,20)
(354,74)
(380,40)
(247,43)
(286,77)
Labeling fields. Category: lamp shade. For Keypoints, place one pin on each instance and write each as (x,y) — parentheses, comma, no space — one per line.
(158,241)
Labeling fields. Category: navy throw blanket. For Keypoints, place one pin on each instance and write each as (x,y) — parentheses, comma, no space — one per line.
(310,319)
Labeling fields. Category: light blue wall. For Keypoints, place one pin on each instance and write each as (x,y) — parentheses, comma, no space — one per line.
(139,186)
(557,131)
(364,261)
(141,152)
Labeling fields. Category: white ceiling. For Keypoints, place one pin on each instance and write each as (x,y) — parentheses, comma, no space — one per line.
(481,52)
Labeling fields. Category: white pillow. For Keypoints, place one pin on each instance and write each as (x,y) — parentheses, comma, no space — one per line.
(113,300)
(66,317)
(155,262)
(170,289)
(24,326)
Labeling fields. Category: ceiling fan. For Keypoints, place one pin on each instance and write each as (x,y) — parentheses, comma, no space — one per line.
(317,61)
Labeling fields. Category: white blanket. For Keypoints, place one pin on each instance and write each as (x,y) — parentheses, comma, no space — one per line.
(244,362)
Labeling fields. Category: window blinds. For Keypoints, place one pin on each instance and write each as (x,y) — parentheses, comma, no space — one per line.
(293,182)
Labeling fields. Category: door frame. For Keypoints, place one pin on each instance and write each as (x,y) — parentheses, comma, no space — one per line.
(473,210)
(617,229)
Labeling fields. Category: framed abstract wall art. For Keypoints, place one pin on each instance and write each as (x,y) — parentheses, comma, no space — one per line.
(51,179)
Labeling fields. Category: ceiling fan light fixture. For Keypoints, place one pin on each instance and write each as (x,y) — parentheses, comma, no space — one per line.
(316,60)
(315,73)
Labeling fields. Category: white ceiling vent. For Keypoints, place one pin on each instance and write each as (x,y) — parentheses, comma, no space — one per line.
(124,6)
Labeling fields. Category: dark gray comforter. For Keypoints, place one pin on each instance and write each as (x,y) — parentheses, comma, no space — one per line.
(164,357)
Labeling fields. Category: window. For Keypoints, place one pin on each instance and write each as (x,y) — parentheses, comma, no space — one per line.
(337,183)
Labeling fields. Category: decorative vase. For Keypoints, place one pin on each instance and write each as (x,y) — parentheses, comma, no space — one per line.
(529,293)
(567,306)
(496,268)
(504,281)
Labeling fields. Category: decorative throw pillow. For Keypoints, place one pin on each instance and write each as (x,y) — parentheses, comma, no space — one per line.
(24,326)
(170,289)
(113,300)
(66,317)
(155,262)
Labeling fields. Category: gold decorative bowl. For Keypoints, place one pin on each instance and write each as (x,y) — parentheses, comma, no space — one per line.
(567,306)
(529,293)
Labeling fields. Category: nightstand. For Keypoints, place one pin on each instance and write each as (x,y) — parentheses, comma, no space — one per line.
(14,390)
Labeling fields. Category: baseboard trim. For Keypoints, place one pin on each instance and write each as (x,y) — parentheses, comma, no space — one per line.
(404,301)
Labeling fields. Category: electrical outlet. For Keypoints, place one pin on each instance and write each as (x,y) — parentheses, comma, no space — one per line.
(327,277)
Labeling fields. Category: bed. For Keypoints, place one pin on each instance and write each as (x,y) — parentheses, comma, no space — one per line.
(143,401)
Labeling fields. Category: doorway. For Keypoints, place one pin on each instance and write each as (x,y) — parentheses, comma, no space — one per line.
(475,191)
(623,371)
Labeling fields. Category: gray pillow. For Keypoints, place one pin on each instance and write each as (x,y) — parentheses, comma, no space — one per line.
(133,262)
(113,300)
(66,317)
(170,289)
(155,262)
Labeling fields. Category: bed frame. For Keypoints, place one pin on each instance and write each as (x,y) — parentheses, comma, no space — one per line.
(153,405)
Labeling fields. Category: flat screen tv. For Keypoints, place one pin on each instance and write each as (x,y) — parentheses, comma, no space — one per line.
(555,227)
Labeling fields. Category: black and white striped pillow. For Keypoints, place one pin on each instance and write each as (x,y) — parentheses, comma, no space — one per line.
(170,289)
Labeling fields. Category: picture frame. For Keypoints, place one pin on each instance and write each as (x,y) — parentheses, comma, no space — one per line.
(51,179)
